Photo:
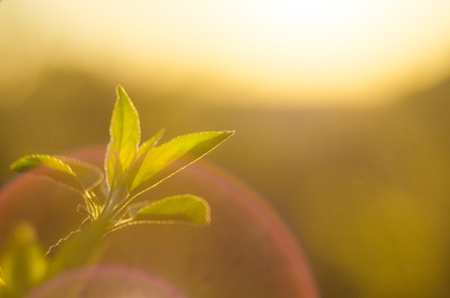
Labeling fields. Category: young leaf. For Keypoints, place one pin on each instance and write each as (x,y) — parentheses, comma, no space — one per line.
(29,162)
(183,208)
(125,137)
(153,169)
(151,143)
(143,149)
(66,171)
(50,167)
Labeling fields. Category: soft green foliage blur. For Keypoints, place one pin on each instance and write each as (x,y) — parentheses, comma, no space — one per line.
(130,169)
(23,264)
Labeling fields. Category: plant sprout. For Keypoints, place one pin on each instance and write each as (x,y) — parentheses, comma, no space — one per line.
(130,168)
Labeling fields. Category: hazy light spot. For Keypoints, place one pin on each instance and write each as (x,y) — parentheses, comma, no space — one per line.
(281,52)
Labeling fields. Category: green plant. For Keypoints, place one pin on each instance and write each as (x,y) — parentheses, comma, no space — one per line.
(130,169)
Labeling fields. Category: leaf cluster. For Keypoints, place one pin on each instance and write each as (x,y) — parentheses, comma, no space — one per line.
(130,168)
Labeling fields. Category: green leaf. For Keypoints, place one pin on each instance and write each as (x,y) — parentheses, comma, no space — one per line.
(125,137)
(63,170)
(143,149)
(154,168)
(176,209)
(29,162)
(24,264)
(151,143)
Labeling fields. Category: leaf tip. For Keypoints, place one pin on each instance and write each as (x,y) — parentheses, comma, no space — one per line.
(229,132)
(120,90)
(121,93)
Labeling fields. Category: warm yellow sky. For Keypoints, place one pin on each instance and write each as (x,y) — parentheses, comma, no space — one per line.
(310,52)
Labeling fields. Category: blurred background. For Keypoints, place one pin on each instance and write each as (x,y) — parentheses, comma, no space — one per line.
(341,111)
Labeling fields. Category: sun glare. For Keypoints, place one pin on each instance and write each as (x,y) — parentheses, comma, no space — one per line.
(330,51)
(295,52)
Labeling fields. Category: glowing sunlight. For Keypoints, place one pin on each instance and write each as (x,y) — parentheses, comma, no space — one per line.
(275,52)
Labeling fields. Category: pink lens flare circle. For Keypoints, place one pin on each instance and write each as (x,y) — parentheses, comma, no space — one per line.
(246,251)
(106,281)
